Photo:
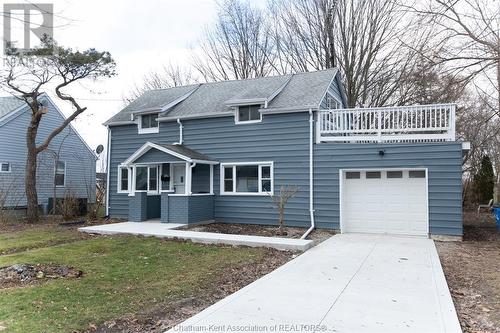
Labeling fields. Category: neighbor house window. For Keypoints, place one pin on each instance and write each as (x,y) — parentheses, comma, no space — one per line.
(247,178)
(60,174)
(148,123)
(4,167)
(123,180)
(248,113)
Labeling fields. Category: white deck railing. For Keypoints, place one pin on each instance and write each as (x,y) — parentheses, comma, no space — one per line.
(419,123)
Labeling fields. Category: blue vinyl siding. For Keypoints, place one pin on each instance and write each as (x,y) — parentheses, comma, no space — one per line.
(284,139)
(443,160)
(80,162)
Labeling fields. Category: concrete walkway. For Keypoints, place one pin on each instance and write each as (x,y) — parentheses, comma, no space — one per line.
(349,283)
(166,230)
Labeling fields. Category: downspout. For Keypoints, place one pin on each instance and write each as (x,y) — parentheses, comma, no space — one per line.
(108,162)
(311,174)
(180,133)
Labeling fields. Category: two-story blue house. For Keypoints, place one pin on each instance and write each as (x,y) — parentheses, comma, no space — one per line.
(216,151)
(67,166)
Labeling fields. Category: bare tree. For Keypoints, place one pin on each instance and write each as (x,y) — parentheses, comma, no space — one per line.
(238,46)
(280,200)
(469,40)
(27,75)
(373,42)
(169,76)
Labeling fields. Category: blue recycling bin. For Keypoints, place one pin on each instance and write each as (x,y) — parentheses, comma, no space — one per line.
(496,212)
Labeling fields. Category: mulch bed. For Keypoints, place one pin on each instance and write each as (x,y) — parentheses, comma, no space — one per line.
(260,230)
(21,275)
(164,316)
(472,270)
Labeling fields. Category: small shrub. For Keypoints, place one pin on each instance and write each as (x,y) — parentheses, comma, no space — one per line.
(68,205)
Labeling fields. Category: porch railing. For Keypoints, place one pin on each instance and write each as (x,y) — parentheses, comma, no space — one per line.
(419,123)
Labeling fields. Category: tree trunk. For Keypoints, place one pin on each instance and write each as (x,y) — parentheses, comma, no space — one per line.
(31,166)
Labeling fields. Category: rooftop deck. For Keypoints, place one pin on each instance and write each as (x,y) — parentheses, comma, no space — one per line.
(419,123)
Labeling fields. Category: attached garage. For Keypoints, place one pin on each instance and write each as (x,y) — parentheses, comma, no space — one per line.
(391,201)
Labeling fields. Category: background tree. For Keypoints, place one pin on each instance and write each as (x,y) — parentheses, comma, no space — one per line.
(238,46)
(373,42)
(169,76)
(49,65)
(484,180)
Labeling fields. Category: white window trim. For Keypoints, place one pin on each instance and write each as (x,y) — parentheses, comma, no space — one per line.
(55,172)
(148,130)
(119,182)
(10,167)
(234,165)
(333,98)
(243,122)
(147,190)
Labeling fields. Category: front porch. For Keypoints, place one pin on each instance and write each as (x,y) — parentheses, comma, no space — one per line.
(168,182)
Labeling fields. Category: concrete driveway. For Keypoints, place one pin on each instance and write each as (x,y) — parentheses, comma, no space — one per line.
(349,283)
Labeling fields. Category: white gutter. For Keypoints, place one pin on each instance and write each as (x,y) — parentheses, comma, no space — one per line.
(311,174)
(180,132)
(108,163)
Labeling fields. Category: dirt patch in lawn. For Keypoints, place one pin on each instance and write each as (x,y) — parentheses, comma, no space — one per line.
(21,275)
(472,269)
(260,230)
(164,316)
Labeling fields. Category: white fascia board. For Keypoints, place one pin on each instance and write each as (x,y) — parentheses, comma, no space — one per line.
(289,110)
(246,101)
(201,116)
(466,145)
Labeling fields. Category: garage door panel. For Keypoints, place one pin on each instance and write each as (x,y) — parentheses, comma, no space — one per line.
(385,205)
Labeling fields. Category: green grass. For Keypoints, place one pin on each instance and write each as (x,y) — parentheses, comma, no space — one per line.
(36,237)
(122,275)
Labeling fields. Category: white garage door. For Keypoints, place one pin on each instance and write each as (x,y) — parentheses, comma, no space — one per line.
(385,201)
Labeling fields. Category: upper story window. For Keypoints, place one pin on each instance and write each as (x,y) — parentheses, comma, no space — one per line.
(248,114)
(247,178)
(332,103)
(148,123)
(60,174)
(5,167)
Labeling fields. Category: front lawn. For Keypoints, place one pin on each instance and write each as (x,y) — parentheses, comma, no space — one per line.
(123,276)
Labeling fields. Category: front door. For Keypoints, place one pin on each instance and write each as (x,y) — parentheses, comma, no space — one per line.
(179,171)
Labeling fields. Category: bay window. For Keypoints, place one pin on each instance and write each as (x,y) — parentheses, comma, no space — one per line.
(247,178)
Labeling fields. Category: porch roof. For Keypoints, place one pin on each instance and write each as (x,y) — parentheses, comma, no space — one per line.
(178,151)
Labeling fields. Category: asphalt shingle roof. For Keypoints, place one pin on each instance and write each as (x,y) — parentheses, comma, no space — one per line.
(185,151)
(9,104)
(292,91)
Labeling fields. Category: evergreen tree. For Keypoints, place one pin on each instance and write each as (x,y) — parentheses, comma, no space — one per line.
(484,180)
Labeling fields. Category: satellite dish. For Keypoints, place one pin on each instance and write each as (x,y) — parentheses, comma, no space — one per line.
(99,149)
